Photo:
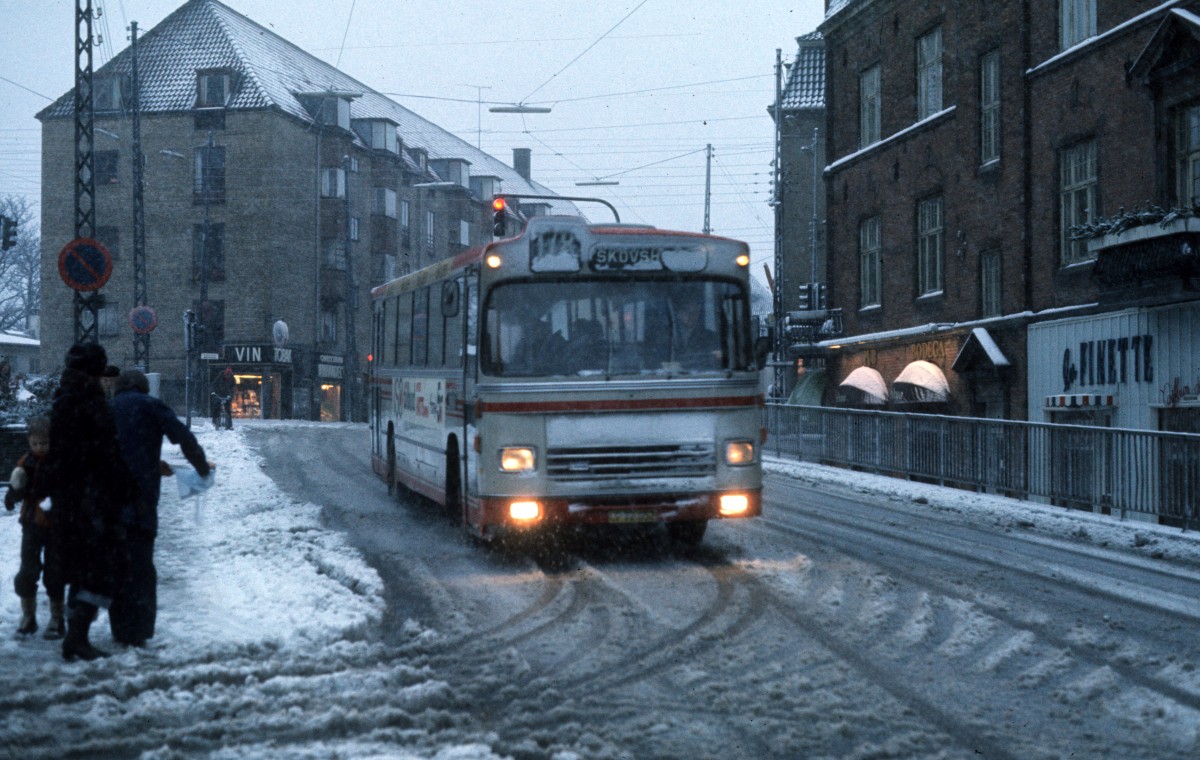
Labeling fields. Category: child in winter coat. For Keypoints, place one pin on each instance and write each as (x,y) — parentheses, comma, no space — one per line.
(39,550)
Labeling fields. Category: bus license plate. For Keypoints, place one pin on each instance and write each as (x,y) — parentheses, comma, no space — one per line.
(633,516)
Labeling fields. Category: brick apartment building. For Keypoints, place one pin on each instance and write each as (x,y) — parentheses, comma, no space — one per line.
(314,186)
(967,145)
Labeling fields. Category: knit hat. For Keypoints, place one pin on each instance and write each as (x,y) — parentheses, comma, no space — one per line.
(88,358)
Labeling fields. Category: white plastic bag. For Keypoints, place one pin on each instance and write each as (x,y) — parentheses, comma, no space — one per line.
(190,483)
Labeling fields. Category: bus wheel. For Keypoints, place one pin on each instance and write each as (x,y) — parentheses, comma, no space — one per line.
(690,532)
(391,463)
(454,507)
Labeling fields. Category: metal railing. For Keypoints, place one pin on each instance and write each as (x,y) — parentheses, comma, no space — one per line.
(1109,470)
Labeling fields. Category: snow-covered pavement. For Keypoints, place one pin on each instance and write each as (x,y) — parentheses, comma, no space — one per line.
(267,643)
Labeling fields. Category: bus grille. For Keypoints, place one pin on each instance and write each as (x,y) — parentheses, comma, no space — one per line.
(663,461)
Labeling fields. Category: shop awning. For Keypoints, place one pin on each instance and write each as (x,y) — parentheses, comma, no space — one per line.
(810,389)
(920,383)
(979,352)
(862,386)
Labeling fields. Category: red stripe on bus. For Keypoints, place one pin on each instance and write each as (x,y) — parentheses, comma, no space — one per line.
(614,405)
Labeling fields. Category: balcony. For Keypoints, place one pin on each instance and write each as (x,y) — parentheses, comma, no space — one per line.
(1148,261)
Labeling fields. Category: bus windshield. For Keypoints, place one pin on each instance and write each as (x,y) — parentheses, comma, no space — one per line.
(616,327)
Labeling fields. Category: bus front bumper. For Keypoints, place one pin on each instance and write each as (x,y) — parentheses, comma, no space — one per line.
(528,512)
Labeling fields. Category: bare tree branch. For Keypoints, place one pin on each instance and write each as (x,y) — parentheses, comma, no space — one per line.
(20,276)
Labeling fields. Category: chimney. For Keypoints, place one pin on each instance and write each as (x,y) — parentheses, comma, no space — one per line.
(521,158)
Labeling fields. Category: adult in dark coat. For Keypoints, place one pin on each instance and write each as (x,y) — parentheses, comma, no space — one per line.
(142,422)
(88,484)
(222,395)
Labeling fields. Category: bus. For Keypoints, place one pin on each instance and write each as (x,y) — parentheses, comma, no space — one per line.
(576,374)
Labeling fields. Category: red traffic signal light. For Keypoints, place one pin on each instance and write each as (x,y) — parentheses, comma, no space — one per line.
(499,206)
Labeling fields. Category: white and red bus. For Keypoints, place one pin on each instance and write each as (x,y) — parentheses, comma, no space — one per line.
(574,374)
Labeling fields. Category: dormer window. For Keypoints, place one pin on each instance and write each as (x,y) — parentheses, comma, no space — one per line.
(378,134)
(329,107)
(109,93)
(458,172)
(213,88)
(420,156)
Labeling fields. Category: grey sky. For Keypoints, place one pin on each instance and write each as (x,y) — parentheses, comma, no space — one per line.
(672,77)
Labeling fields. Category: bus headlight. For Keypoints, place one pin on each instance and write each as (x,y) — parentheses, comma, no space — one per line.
(739,452)
(524,511)
(517,459)
(733,504)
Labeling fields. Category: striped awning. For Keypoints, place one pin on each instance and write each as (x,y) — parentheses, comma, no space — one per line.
(1080,400)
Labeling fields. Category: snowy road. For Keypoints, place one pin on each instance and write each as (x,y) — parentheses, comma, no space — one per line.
(860,618)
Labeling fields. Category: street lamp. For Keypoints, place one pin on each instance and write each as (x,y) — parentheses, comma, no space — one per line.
(519,108)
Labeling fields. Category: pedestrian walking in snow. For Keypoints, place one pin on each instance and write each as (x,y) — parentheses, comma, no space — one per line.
(88,483)
(142,422)
(39,548)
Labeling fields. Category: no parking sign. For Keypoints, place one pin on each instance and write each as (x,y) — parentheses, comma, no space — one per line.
(84,264)
(142,319)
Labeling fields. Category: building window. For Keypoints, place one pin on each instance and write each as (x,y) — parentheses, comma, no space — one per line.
(464,232)
(210,174)
(989,107)
(405,210)
(870,262)
(929,74)
(334,111)
(212,317)
(108,93)
(333,254)
(378,134)
(108,319)
(110,238)
(990,291)
(213,89)
(354,228)
(215,253)
(383,201)
(929,254)
(1077,21)
(1078,197)
(107,165)
(1187,148)
(329,324)
(870,107)
(333,183)
(429,219)
(389,267)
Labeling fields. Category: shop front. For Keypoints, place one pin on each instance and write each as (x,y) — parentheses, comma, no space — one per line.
(263,377)
(330,379)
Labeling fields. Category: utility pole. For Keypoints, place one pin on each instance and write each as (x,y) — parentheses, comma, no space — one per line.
(86,308)
(351,364)
(777,202)
(707,188)
(141,340)
(200,341)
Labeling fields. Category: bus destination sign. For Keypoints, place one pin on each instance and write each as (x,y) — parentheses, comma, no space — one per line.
(645,258)
(609,259)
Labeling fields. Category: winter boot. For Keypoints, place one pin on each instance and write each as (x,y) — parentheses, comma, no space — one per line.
(76,643)
(28,615)
(56,628)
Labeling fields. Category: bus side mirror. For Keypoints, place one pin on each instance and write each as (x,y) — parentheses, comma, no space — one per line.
(762,347)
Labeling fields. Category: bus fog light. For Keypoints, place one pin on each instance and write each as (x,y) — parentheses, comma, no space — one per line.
(524,510)
(517,459)
(734,504)
(739,452)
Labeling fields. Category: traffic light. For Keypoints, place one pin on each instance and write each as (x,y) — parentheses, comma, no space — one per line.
(9,235)
(499,207)
(189,331)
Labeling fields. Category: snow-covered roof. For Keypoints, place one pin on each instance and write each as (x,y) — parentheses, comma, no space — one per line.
(9,339)
(271,72)
(805,87)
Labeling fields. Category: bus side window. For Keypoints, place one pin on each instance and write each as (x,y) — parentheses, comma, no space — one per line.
(420,322)
(387,343)
(436,336)
(403,337)
(452,333)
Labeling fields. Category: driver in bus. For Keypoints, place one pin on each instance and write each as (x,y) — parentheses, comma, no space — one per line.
(696,346)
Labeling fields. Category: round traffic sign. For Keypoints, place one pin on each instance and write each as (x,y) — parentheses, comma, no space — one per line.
(84,264)
(142,319)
